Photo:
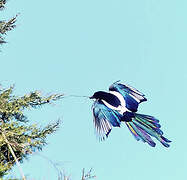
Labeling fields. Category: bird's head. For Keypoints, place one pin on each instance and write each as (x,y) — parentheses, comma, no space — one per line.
(98,95)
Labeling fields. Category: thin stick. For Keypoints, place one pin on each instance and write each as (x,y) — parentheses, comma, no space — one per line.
(14,156)
(83,176)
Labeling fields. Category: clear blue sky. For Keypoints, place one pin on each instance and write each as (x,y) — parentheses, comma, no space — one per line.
(79,47)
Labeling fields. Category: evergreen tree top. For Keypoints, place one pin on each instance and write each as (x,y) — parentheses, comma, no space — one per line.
(6,26)
(15,131)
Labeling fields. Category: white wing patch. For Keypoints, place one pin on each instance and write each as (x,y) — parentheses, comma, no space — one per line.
(122,108)
(120,97)
(135,98)
(133,89)
(137,95)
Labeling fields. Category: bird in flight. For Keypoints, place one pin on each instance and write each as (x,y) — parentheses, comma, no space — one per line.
(119,105)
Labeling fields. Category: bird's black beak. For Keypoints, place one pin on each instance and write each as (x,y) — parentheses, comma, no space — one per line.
(91,97)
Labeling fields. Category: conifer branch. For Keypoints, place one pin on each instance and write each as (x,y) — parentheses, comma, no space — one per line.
(19,139)
(2,4)
(13,154)
(7,26)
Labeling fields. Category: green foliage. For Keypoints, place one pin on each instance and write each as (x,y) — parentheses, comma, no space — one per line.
(15,131)
(5,26)
(2,4)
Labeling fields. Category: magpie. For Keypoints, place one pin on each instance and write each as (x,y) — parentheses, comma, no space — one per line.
(119,105)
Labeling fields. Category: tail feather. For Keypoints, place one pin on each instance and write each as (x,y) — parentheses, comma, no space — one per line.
(146,128)
(164,141)
(143,126)
(142,134)
(149,120)
(133,131)
(148,138)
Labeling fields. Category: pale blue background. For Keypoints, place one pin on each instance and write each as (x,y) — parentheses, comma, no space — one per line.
(79,47)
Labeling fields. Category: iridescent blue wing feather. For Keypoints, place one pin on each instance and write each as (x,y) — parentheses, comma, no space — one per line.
(131,95)
(104,119)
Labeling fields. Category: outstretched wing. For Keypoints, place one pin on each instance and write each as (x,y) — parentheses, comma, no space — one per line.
(131,95)
(104,118)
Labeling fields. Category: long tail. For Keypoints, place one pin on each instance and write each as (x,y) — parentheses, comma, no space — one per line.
(143,126)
